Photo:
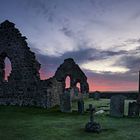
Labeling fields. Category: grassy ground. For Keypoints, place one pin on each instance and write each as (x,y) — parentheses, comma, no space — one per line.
(22,123)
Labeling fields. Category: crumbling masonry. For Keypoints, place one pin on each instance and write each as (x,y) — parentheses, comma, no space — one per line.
(71,69)
(24,87)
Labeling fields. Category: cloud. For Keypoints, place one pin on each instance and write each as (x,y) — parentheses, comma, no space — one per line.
(133,41)
(105,65)
(131,59)
(67,32)
(131,62)
(81,56)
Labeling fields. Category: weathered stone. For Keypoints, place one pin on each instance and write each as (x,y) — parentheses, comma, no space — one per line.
(117,106)
(76,75)
(75,94)
(134,109)
(92,126)
(24,87)
(71,69)
(81,106)
(65,102)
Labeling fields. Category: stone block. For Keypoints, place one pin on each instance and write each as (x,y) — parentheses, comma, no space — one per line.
(117,106)
(65,102)
(80,106)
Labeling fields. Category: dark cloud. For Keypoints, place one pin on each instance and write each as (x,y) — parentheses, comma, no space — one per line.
(67,32)
(138,49)
(133,40)
(81,55)
(131,62)
(118,77)
(50,63)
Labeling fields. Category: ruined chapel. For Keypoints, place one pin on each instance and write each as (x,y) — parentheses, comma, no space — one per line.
(24,86)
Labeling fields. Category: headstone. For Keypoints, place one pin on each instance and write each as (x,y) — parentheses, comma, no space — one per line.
(133,110)
(81,106)
(92,126)
(65,102)
(117,106)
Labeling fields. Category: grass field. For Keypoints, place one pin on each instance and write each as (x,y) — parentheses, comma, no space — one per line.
(22,123)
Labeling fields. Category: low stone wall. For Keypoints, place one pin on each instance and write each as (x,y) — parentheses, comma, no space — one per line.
(42,94)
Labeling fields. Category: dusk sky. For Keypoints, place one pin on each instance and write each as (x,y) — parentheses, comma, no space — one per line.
(102,36)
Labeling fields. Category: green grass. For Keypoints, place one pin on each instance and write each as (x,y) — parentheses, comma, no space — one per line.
(22,123)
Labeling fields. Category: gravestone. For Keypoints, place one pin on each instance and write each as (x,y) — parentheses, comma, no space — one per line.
(133,110)
(81,106)
(65,102)
(117,106)
(92,126)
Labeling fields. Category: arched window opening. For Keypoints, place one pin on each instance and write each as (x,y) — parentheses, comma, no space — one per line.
(8,68)
(67,82)
(78,86)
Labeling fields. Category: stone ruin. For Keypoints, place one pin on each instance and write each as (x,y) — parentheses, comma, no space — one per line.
(71,69)
(24,86)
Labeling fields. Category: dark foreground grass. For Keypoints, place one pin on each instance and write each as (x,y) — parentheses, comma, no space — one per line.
(22,123)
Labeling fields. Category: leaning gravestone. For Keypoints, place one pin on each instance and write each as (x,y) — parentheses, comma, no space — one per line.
(81,106)
(133,110)
(117,106)
(65,102)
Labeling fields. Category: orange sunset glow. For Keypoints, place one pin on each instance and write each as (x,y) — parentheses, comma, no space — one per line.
(94,84)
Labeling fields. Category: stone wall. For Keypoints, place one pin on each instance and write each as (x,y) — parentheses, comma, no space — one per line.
(44,94)
(24,87)
(71,69)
